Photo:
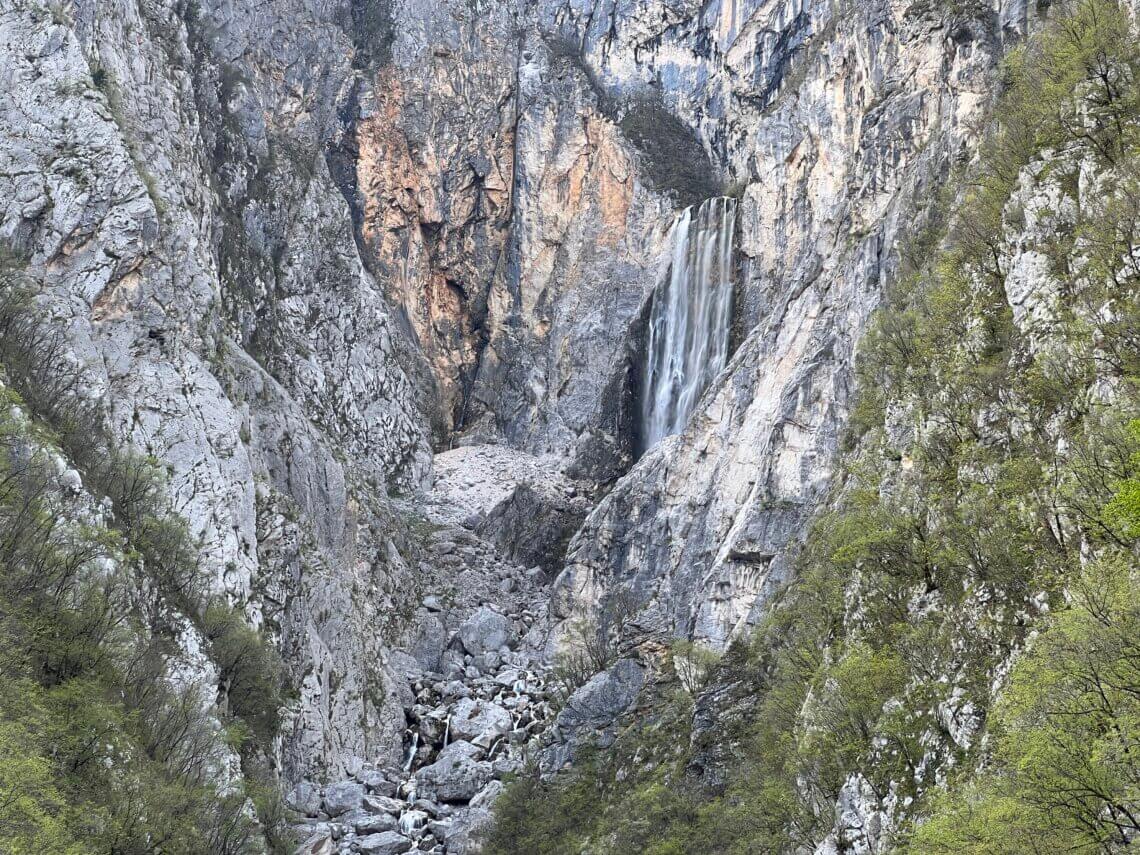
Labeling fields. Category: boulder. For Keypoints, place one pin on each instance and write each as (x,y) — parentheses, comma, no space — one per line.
(536,577)
(489,662)
(384,843)
(383,804)
(591,710)
(377,782)
(533,525)
(403,664)
(461,749)
(428,806)
(480,722)
(305,798)
(433,726)
(468,829)
(603,697)
(486,796)
(456,776)
(376,822)
(486,630)
(343,797)
(429,638)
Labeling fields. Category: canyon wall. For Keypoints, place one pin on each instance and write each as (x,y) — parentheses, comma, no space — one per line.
(300,247)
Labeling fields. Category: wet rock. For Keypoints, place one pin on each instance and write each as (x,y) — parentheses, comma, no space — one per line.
(412,821)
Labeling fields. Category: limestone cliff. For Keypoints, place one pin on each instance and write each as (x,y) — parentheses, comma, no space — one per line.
(370,280)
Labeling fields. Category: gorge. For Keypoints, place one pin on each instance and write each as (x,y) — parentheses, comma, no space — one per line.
(569,426)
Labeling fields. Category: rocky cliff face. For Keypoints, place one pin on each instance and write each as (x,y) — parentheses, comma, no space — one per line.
(300,247)
(838,123)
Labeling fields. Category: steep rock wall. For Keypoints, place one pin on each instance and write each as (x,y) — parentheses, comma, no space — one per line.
(156,180)
(839,122)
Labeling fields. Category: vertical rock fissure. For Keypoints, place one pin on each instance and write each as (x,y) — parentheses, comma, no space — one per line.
(690,319)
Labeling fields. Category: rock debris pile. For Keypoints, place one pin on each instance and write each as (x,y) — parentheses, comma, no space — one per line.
(471,678)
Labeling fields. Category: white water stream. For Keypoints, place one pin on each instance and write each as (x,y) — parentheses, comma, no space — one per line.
(690,319)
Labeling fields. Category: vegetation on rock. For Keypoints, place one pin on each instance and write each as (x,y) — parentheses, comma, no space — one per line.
(956,658)
(110,740)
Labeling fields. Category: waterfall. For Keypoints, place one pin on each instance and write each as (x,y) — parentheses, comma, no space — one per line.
(410,754)
(690,318)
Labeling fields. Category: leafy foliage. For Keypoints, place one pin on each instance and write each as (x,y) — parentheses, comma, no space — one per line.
(101,749)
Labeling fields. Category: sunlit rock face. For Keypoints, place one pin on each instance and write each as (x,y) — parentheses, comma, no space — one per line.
(501,209)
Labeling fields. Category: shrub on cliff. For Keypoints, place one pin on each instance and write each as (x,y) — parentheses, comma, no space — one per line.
(101,749)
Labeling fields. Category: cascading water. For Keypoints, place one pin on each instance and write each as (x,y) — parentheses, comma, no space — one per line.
(690,318)
(410,753)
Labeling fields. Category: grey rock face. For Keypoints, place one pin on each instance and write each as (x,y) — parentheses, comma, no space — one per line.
(699,532)
(289,254)
(159,243)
